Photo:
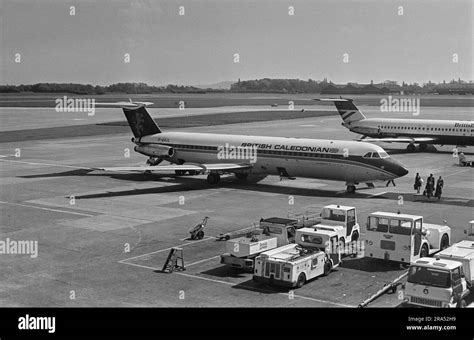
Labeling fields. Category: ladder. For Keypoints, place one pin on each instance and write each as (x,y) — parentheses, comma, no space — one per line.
(174,261)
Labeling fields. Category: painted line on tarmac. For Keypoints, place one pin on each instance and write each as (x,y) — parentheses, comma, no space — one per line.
(378,194)
(169,248)
(138,265)
(201,261)
(46,164)
(457,172)
(48,209)
(233,284)
(259,290)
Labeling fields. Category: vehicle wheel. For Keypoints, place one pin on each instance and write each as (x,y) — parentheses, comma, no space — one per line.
(462,303)
(424,251)
(327,268)
(351,189)
(301,280)
(423,146)
(200,235)
(355,236)
(444,242)
(411,147)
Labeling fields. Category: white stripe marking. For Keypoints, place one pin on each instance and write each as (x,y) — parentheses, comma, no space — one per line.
(256,289)
(205,260)
(46,164)
(48,209)
(378,194)
(162,250)
(233,284)
(139,265)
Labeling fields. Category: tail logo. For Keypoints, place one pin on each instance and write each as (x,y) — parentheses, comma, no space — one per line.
(139,123)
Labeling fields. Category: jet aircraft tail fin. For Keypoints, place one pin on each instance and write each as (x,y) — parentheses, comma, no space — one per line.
(346,108)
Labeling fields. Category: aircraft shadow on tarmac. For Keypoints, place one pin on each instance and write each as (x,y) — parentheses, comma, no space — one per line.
(190,184)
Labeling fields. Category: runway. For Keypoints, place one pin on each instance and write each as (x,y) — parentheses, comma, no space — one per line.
(103,237)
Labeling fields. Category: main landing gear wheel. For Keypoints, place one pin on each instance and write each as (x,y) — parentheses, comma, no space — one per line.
(411,147)
(423,146)
(241,176)
(351,189)
(153,161)
(213,178)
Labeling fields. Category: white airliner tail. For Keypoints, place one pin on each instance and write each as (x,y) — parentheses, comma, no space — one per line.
(346,108)
(137,116)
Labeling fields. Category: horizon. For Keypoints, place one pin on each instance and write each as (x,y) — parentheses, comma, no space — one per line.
(198,48)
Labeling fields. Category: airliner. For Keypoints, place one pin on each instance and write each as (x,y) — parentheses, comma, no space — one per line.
(411,131)
(217,154)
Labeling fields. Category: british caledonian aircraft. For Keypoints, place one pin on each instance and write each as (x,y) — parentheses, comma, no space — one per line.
(216,154)
(419,131)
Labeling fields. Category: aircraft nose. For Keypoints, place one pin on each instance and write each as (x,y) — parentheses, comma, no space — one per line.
(398,169)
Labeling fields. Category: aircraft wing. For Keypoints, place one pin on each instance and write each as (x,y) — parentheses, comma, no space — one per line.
(183,167)
(399,140)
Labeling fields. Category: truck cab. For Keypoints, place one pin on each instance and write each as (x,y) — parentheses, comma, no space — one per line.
(340,215)
(444,281)
(403,237)
(316,253)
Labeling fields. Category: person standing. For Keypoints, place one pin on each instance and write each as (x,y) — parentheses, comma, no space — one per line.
(418,183)
(429,186)
(439,187)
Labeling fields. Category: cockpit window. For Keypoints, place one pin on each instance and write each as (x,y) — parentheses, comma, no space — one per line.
(381,154)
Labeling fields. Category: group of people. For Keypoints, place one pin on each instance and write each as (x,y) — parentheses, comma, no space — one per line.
(430,187)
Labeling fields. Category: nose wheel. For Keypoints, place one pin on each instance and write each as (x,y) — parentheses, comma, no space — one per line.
(350,189)
(213,178)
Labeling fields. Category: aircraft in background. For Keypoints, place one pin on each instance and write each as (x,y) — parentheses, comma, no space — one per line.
(217,154)
(411,131)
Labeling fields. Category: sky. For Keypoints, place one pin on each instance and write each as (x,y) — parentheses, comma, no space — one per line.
(199,47)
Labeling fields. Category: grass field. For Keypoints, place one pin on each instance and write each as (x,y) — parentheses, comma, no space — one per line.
(222,99)
(168,123)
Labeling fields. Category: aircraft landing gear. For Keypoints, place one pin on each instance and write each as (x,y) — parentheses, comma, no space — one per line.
(213,178)
(351,188)
(241,176)
(152,161)
(411,147)
(423,146)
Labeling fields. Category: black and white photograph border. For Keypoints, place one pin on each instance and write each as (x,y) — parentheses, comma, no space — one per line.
(237,154)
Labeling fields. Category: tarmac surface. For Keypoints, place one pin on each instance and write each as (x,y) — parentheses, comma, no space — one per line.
(103,237)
